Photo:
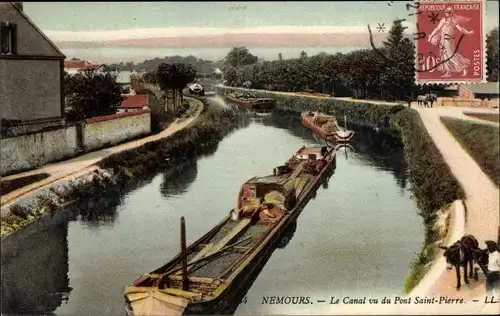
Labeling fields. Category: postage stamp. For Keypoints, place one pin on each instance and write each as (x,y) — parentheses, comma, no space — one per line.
(451,42)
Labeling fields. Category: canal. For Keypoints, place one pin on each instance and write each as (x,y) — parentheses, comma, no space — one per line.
(357,237)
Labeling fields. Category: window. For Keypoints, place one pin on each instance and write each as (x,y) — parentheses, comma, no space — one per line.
(8,38)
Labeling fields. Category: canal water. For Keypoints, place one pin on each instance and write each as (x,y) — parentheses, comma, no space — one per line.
(356,238)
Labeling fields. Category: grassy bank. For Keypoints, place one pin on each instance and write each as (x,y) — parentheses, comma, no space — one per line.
(432,184)
(481,142)
(491,117)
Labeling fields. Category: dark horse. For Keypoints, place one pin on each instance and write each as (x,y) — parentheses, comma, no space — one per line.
(463,254)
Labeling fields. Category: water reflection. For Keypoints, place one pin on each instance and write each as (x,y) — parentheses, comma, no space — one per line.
(238,299)
(184,175)
(380,150)
(35,272)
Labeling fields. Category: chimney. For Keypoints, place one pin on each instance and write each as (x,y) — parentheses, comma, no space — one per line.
(19,5)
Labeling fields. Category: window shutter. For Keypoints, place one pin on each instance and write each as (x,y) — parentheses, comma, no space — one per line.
(4,44)
(13,30)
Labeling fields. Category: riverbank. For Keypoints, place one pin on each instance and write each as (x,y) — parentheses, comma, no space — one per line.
(199,136)
(433,185)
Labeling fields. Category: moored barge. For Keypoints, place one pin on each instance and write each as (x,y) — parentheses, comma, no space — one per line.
(326,126)
(205,276)
(248,101)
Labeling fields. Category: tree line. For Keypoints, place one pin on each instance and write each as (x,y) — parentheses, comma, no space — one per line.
(384,73)
(202,66)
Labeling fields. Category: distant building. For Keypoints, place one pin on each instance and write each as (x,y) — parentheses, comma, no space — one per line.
(489,90)
(136,83)
(133,103)
(74,66)
(32,72)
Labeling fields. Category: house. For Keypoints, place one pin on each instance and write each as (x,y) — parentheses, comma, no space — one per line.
(473,95)
(74,66)
(133,103)
(32,68)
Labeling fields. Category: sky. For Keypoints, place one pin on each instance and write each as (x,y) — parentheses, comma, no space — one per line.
(133,31)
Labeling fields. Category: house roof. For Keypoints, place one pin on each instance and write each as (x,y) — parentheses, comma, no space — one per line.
(81,64)
(21,12)
(134,102)
(483,88)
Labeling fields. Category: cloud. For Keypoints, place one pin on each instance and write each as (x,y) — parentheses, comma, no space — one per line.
(276,36)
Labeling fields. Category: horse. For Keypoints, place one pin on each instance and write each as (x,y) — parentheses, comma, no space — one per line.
(421,99)
(461,254)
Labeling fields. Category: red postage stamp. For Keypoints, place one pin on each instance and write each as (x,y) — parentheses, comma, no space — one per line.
(450,42)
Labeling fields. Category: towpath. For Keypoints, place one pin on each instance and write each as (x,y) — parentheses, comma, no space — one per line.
(76,165)
(481,195)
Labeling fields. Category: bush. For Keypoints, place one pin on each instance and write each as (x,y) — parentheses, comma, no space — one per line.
(481,141)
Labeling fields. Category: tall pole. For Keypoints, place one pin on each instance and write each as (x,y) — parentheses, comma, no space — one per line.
(185,280)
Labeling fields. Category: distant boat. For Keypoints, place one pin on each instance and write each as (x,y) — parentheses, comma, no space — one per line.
(208,274)
(248,101)
(326,126)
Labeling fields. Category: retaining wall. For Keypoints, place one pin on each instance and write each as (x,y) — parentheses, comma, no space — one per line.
(103,131)
(28,151)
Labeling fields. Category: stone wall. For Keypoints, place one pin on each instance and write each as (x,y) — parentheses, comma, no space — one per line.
(33,150)
(28,151)
(103,131)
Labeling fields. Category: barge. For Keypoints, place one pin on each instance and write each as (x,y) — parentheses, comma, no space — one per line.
(206,276)
(248,101)
(326,126)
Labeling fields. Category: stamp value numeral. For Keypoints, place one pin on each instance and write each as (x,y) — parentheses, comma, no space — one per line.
(449,41)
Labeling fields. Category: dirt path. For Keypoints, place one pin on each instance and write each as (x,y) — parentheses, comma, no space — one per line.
(66,168)
(482,217)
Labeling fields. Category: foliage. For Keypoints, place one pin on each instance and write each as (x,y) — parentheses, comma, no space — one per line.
(199,138)
(492,55)
(239,56)
(92,93)
(481,141)
(362,73)
(200,65)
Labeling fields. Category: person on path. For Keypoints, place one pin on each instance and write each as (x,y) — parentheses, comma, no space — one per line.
(493,276)
(408,99)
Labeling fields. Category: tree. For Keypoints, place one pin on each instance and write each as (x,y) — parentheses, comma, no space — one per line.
(240,56)
(396,35)
(173,78)
(492,55)
(150,77)
(90,93)
(399,71)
